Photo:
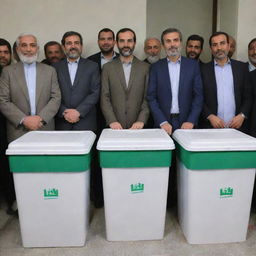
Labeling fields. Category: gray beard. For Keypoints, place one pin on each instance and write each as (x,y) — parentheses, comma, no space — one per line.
(27,60)
(153,59)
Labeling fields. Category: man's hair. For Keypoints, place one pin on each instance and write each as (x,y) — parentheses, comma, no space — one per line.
(252,41)
(151,38)
(4,42)
(22,35)
(126,30)
(51,43)
(196,38)
(170,30)
(71,33)
(106,30)
(217,34)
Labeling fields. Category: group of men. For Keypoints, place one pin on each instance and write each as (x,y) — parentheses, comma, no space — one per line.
(117,90)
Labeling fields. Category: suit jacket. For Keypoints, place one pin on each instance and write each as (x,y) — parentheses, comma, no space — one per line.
(252,119)
(14,97)
(242,92)
(190,96)
(82,95)
(97,58)
(122,103)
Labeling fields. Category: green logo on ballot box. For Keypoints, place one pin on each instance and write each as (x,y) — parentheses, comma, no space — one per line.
(226,192)
(137,188)
(51,193)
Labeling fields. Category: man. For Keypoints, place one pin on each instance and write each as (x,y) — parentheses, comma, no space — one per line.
(79,82)
(232,46)
(106,43)
(152,48)
(252,76)
(5,54)
(124,86)
(194,47)
(6,179)
(29,91)
(53,53)
(175,88)
(252,54)
(227,93)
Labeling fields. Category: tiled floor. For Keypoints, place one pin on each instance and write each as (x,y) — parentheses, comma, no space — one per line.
(173,244)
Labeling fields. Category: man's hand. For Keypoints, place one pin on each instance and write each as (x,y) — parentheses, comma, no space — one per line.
(71,115)
(236,121)
(32,123)
(216,122)
(167,127)
(187,125)
(137,125)
(116,126)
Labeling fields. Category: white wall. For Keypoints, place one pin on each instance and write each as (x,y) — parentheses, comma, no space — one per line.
(246,29)
(190,17)
(50,19)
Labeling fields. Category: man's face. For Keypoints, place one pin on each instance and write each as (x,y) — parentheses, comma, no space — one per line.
(220,47)
(53,53)
(126,43)
(193,49)
(252,53)
(106,42)
(172,44)
(28,49)
(73,47)
(232,47)
(5,56)
(152,47)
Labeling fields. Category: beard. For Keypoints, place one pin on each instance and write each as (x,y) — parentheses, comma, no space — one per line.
(4,62)
(153,59)
(193,55)
(173,51)
(126,51)
(220,55)
(106,50)
(253,58)
(27,59)
(73,53)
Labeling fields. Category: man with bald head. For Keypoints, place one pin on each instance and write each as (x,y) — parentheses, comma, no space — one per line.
(29,91)
(152,48)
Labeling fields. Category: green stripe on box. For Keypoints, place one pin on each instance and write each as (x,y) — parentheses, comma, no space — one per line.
(133,159)
(49,163)
(217,159)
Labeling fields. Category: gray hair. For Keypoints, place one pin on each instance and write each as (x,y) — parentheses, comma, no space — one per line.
(151,38)
(24,34)
(170,30)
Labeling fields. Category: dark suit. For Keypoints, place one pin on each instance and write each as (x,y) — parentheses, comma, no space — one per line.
(190,95)
(253,113)
(97,58)
(242,92)
(82,95)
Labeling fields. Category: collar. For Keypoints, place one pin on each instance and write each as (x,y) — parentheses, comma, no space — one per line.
(103,57)
(127,63)
(178,60)
(71,62)
(228,62)
(33,64)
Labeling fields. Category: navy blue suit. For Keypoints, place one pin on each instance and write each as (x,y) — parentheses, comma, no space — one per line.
(190,95)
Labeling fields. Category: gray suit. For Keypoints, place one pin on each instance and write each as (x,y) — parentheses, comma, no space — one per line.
(82,95)
(14,97)
(120,103)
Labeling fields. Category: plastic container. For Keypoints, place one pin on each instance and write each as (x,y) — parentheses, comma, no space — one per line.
(52,180)
(216,170)
(135,168)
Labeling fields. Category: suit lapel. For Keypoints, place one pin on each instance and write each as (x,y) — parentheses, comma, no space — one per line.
(182,77)
(22,80)
(235,79)
(39,81)
(65,73)
(133,72)
(78,73)
(166,76)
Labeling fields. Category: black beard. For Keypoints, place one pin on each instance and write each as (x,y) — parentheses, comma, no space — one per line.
(106,52)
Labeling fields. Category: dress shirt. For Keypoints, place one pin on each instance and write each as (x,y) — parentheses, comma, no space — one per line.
(127,71)
(225,91)
(174,74)
(30,76)
(72,68)
(251,67)
(103,60)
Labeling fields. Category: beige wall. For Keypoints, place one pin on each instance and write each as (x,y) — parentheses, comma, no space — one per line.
(49,19)
(191,17)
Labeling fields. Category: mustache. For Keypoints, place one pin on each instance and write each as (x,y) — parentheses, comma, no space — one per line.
(73,49)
